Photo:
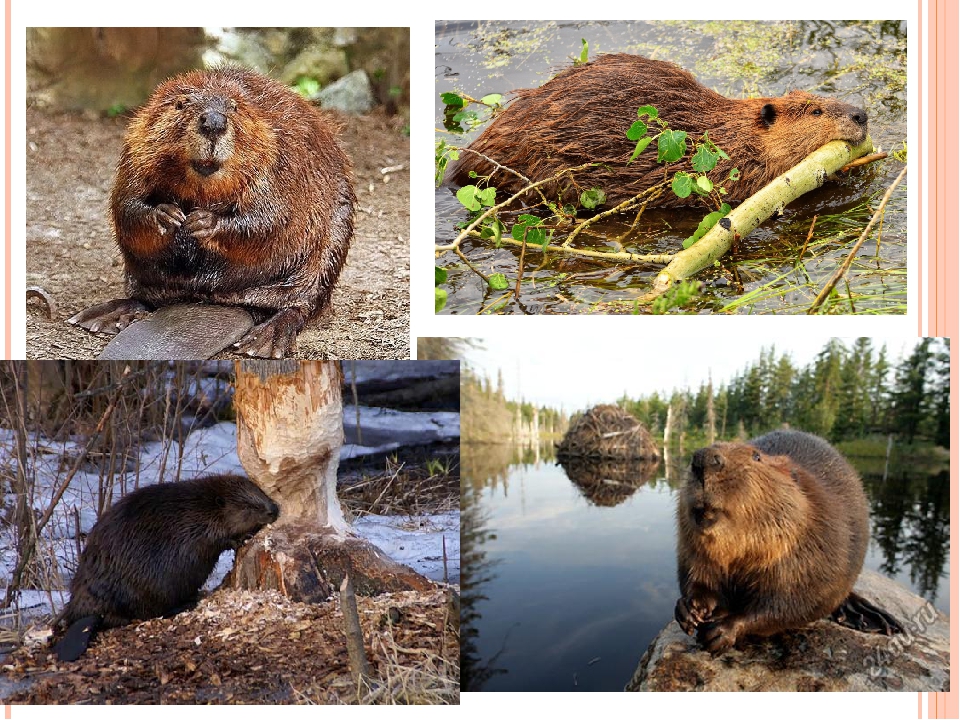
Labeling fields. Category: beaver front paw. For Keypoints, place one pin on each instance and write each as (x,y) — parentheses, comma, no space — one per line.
(691,612)
(169,217)
(201,224)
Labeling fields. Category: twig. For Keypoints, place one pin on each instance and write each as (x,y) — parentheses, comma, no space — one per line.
(653,192)
(807,241)
(865,160)
(493,304)
(841,271)
(440,249)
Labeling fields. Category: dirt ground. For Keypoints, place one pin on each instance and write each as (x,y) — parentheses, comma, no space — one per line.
(70,252)
(255,647)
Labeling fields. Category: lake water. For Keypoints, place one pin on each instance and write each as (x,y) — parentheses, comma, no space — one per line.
(862,63)
(565,584)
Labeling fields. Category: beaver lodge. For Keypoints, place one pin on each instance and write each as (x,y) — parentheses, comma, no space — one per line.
(607,432)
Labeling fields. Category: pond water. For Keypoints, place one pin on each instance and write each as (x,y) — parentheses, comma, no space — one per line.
(565,583)
(862,63)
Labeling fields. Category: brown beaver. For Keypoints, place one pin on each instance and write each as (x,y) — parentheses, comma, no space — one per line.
(582,115)
(771,536)
(150,553)
(230,189)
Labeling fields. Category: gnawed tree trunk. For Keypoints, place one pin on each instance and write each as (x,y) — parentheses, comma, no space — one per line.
(289,433)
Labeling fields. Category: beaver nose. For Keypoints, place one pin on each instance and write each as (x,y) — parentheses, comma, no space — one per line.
(213,123)
(859,116)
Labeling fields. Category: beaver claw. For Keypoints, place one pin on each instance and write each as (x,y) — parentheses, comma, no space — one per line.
(109,317)
(692,612)
(715,637)
(275,338)
(169,217)
(201,224)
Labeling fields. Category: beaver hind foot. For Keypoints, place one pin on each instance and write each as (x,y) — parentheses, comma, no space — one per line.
(274,338)
(860,614)
(109,317)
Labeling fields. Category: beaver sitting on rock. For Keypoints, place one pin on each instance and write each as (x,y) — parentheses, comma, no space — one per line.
(233,190)
(771,536)
(150,553)
(582,116)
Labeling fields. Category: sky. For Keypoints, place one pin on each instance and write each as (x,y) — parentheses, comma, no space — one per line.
(576,375)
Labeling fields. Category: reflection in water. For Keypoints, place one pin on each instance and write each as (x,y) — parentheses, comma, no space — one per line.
(476,570)
(911,525)
(609,482)
(568,579)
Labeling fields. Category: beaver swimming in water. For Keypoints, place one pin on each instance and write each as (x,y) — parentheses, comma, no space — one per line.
(771,536)
(150,553)
(582,115)
(231,189)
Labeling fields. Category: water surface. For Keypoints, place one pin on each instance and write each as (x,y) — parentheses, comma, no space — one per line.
(566,584)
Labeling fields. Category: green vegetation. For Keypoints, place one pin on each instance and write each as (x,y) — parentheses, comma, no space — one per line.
(851,395)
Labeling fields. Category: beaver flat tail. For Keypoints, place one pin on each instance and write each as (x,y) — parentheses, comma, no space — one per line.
(77,638)
(858,613)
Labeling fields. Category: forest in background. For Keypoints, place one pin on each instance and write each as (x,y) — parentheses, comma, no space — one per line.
(846,393)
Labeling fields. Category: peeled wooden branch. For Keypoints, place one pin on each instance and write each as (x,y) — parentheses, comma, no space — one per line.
(357,655)
(802,178)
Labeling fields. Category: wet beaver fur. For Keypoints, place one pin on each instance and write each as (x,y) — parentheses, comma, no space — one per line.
(582,115)
(771,536)
(150,553)
(233,190)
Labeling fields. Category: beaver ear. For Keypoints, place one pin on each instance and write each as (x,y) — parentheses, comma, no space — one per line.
(768,113)
(756,456)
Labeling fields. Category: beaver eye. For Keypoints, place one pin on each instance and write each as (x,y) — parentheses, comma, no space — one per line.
(756,457)
(817,111)
(181,103)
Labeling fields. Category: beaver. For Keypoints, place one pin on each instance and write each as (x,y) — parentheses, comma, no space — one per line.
(230,189)
(149,554)
(582,115)
(771,536)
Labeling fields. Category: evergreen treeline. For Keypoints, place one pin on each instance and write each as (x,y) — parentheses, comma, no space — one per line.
(845,393)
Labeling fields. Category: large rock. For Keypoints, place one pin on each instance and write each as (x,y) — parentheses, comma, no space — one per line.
(822,656)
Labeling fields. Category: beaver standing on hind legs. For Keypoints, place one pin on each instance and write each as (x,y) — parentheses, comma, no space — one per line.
(233,190)
(150,553)
(771,536)
(582,116)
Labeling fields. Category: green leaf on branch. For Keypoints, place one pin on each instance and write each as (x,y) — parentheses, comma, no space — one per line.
(671,146)
(646,110)
(637,130)
(704,160)
(467,195)
(704,185)
(439,275)
(592,197)
(493,99)
(682,184)
(641,146)
(497,281)
(452,99)
(439,299)
(706,224)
